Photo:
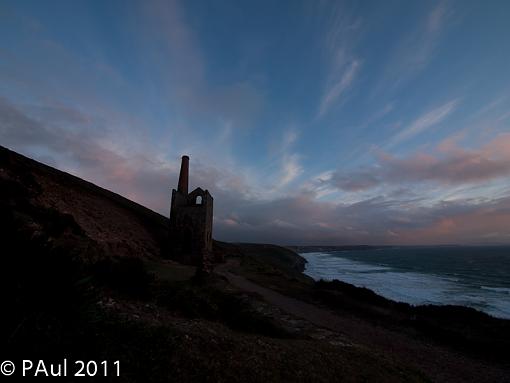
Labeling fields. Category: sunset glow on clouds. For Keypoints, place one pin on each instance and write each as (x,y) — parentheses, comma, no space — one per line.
(309,122)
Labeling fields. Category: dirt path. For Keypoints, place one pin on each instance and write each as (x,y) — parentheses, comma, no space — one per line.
(438,362)
(307,311)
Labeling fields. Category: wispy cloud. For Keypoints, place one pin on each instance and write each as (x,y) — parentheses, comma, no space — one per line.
(416,48)
(290,167)
(337,87)
(417,53)
(356,181)
(182,69)
(320,185)
(165,22)
(342,32)
(424,122)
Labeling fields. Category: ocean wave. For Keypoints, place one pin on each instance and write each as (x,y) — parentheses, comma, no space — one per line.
(409,286)
(327,261)
(505,290)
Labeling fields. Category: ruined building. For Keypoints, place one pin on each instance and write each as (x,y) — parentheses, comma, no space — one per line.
(191,217)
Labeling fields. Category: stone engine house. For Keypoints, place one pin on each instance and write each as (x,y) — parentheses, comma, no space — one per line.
(191,217)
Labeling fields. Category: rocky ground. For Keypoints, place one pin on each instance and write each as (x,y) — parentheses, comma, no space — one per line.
(83,277)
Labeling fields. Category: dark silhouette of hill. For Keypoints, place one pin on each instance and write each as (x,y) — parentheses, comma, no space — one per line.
(114,223)
(82,277)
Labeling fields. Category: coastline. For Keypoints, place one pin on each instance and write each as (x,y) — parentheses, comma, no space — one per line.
(411,285)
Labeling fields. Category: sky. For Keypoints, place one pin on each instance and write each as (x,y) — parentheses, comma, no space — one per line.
(310,122)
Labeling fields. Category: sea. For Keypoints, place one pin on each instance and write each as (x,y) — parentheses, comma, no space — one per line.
(473,276)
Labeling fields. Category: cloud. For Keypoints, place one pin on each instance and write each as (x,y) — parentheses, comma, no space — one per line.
(165,22)
(342,65)
(426,38)
(424,122)
(337,87)
(290,167)
(181,65)
(303,220)
(91,156)
(170,90)
(290,170)
(464,222)
(361,180)
(437,17)
(454,165)
(415,49)
(297,218)
(449,164)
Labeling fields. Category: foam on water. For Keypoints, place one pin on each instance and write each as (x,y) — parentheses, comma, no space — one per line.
(498,289)
(409,286)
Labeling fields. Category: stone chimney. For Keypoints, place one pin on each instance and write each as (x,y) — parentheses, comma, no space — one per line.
(183,176)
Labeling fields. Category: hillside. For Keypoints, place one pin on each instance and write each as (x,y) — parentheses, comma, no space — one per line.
(84,277)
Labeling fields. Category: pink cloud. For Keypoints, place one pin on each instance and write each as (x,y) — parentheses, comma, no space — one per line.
(448,164)
(452,164)
(479,224)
